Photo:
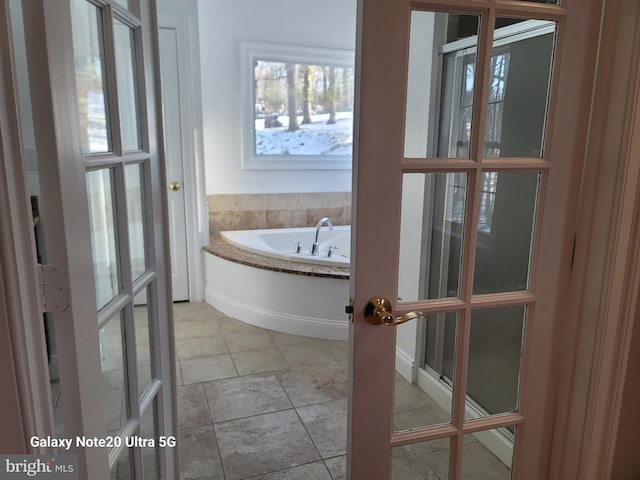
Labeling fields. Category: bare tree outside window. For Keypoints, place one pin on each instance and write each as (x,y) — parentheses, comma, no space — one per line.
(298,107)
(306,94)
(303,109)
(292,73)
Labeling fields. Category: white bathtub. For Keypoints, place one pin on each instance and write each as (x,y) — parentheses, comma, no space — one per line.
(279,299)
(282,242)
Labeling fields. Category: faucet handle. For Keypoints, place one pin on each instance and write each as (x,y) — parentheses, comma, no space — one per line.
(330,250)
(297,247)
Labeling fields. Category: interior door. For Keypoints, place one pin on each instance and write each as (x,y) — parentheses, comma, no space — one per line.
(469,135)
(173,135)
(93,85)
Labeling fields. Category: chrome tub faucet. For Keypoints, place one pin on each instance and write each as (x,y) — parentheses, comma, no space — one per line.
(321,222)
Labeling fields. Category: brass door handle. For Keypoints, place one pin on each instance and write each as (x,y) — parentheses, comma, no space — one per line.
(174,186)
(380,312)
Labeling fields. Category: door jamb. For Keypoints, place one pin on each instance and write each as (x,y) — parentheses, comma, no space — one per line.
(26,379)
(602,306)
(196,211)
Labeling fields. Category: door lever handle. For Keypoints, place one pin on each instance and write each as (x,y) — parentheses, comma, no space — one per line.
(379,311)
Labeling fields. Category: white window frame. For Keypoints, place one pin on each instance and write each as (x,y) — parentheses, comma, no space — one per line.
(252,52)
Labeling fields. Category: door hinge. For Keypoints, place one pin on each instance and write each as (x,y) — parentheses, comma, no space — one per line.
(54,289)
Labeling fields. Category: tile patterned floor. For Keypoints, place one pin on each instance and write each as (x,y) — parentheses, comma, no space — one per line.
(262,405)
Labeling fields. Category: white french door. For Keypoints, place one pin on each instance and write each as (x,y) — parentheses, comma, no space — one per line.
(92,75)
(469,139)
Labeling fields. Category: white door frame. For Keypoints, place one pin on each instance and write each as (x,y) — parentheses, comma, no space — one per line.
(602,310)
(196,209)
(25,379)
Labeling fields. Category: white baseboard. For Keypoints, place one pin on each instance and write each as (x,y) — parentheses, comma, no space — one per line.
(406,366)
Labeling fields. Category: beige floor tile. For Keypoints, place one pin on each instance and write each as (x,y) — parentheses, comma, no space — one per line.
(231,325)
(206,369)
(302,355)
(259,361)
(254,340)
(246,396)
(337,467)
(197,328)
(327,425)
(310,471)
(192,406)
(315,383)
(264,444)
(198,347)
(199,457)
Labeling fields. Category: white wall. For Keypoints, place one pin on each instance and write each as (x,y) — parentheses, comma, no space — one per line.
(223,24)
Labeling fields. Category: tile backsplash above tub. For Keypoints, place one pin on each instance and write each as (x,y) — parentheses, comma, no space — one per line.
(276,210)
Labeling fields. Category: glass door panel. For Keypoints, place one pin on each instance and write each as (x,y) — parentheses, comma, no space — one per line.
(150,454)
(416,404)
(519,79)
(113,361)
(144,339)
(431,235)
(123,468)
(506,218)
(519,86)
(104,235)
(481,463)
(136,214)
(426,122)
(127,78)
(125,3)
(88,49)
(425,460)
(495,357)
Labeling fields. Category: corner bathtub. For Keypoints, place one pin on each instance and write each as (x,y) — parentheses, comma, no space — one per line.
(257,277)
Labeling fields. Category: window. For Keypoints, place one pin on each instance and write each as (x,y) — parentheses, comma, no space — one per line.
(298,107)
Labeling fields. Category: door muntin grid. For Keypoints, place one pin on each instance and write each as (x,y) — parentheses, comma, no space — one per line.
(488,99)
(122,174)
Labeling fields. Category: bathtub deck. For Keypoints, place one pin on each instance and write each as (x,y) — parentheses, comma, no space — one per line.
(220,248)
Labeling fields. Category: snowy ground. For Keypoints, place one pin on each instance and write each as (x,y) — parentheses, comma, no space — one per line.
(316,138)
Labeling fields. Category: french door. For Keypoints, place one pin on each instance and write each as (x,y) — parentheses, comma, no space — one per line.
(94,94)
(465,179)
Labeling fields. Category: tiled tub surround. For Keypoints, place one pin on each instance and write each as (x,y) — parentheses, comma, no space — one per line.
(276,210)
(301,299)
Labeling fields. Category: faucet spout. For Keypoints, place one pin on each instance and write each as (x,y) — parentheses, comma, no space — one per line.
(323,221)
